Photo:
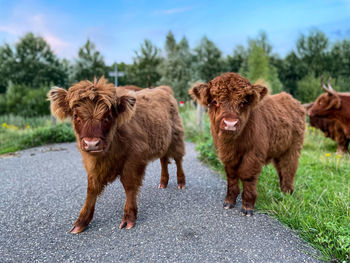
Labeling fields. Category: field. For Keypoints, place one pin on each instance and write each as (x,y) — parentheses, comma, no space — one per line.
(319,208)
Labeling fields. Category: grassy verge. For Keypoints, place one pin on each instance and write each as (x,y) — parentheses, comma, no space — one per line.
(319,208)
(17,133)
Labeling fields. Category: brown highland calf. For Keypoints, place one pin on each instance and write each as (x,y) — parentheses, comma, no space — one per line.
(250,129)
(331,129)
(118,132)
(334,106)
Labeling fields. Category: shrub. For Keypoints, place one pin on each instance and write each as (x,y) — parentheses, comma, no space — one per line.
(21,100)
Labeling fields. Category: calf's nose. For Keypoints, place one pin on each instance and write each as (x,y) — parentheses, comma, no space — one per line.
(91,145)
(229,124)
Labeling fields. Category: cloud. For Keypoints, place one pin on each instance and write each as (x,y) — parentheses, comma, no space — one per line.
(173,10)
(21,22)
(56,43)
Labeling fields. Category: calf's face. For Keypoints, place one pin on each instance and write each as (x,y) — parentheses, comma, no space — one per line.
(92,124)
(95,117)
(230,99)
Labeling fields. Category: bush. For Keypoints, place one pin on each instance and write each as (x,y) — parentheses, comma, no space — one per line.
(23,101)
(14,138)
(308,88)
(60,133)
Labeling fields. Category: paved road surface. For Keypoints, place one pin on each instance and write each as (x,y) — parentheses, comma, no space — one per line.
(43,189)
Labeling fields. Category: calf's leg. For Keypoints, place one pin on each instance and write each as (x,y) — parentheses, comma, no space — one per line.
(87,212)
(131,179)
(286,166)
(177,151)
(181,180)
(249,172)
(343,147)
(164,178)
(249,195)
(232,187)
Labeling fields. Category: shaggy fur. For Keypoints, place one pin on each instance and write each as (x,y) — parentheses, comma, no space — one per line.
(118,132)
(251,128)
(331,129)
(131,87)
(335,106)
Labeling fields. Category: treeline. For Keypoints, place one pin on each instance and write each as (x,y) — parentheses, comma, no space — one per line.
(30,67)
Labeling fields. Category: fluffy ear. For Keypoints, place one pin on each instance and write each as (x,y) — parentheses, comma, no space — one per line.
(125,109)
(200,93)
(59,104)
(257,93)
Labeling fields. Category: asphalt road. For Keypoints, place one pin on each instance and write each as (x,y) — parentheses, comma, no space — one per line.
(42,190)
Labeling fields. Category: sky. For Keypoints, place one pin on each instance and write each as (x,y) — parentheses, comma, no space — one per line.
(119,27)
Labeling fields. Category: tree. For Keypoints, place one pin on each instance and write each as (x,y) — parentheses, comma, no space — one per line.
(7,65)
(258,63)
(312,50)
(24,101)
(235,63)
(176,67)
(144,70)
(290,71)
(90,63)
(308,88)
(261,41)
(209,62)
(259,66)
(339,62)
(31,63)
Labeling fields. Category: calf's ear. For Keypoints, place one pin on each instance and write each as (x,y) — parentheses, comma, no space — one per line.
(59,104)
(256,94)
(200,93)
(125,109)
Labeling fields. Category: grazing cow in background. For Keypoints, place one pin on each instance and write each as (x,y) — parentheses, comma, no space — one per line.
(118,132)
(331,129)
(251,128)
(333,105)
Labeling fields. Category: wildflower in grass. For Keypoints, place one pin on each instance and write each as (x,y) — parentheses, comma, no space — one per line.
(27,126)
(327,154)
(10,127)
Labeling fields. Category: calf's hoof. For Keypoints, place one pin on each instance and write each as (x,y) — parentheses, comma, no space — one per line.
(77,229)
(162,185)
(228,205)
(127,224)
(287,190)
(181,186)
(247,212)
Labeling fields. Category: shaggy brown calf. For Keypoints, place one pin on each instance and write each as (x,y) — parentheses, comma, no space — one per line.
(333,105)
(118,132)
(250,129)
(331,129)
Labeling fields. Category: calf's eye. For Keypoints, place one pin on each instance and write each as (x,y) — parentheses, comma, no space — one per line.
(215,103)
(75,116)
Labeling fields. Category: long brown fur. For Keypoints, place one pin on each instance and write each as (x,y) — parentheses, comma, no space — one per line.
(331,129)
(133,128)
(269,128)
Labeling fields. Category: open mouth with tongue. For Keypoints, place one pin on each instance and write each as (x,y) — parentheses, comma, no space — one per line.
(229,124)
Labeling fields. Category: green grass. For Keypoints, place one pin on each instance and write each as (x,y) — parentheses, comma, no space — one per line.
(319,208)
(17,133)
